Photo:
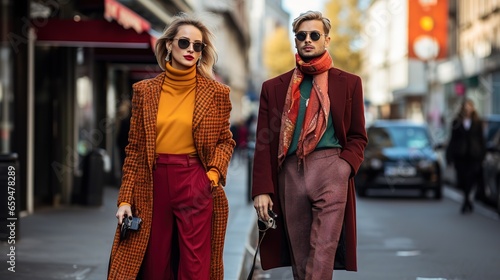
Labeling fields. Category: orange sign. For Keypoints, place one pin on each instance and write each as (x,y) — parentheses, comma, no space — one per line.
(427,29)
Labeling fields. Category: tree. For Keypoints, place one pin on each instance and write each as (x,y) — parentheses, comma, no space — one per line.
(278,55)
(345,17)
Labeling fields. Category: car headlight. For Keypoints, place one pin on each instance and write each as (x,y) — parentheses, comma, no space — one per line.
(376,163)
(425,164)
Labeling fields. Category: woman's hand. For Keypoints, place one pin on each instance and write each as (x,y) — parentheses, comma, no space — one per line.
(262,203)
(122,211)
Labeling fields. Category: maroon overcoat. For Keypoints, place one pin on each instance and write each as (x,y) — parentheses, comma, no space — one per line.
(347,109)
(214,144)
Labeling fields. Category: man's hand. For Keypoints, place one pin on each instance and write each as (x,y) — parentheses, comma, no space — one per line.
(262,203)
(122,211)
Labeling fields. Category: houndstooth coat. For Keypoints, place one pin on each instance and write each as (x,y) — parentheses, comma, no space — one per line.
(214,145)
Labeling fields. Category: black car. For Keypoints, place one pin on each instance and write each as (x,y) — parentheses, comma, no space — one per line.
(489,188)
(399,155)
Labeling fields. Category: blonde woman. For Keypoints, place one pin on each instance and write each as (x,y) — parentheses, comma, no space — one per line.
(176,164)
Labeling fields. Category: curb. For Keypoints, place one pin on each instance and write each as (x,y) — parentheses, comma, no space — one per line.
(237,236)
(250,247)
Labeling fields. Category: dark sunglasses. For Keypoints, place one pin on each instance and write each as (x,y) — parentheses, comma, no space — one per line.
(184,44)
(302,35)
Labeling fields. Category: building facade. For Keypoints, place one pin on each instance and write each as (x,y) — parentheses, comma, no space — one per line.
(473,70)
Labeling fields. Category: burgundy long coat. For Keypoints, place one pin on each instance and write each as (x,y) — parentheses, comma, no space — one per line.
(347,109)
(214,145)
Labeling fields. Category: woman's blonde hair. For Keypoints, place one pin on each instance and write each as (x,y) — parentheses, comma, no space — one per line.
(311,15)
(208,55)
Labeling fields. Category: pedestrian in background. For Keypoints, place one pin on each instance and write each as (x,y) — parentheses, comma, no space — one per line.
(466,150)
(309,144)
(176,164)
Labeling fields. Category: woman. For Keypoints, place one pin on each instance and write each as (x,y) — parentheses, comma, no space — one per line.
(177,158)
(466,150)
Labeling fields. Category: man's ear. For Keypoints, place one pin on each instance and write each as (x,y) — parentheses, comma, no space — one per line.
(327,42)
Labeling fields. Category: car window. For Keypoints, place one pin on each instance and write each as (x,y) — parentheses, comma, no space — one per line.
(400,136)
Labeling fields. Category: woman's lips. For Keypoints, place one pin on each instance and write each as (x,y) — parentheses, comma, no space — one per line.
(188,57)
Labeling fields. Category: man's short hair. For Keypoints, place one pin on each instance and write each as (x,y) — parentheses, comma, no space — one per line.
(311,15)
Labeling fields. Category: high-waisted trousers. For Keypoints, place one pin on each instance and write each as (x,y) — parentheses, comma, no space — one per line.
(179,243)
(313,197)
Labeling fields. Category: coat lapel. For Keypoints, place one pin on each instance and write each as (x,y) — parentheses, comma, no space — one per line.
(337,90)
(281,91)
(151,101)
(204,93)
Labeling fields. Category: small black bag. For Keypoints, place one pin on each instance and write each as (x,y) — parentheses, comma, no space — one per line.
(263,227)
(129,223)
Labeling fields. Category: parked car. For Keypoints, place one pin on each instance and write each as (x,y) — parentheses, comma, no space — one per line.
(399,155)
(488,190)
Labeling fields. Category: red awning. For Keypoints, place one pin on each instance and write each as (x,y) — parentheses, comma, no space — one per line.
(125,17)
(90,33)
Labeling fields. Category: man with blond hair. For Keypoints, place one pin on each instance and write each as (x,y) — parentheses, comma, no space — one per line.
(309,145)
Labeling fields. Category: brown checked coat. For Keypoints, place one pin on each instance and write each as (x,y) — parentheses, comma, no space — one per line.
(214,145)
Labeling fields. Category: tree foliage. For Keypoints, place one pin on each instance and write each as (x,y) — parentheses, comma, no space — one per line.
(345,17)
(278,55)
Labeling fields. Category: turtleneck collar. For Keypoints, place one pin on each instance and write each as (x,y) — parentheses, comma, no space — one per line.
(178,76)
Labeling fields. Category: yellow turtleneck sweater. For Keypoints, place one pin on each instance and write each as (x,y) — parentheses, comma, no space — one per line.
(174,124)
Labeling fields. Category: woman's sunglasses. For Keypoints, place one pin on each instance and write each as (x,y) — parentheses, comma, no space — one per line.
(302,35)
(184,44)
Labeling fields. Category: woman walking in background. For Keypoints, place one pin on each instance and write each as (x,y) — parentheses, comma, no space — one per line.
(466,150)
(176,164)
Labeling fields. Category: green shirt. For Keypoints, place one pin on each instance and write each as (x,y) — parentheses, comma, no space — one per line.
(329,140)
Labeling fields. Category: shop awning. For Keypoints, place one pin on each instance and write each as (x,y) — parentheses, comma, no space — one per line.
(127,18)
(90,33)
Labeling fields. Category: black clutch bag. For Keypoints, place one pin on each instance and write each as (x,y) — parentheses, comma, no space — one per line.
(129,224)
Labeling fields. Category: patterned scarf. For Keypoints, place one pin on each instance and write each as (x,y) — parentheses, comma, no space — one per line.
(317,110)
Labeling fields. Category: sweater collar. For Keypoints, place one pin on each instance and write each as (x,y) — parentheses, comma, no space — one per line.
(177,75)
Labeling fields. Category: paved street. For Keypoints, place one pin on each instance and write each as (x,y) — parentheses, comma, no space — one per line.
(405,238)
(74,242)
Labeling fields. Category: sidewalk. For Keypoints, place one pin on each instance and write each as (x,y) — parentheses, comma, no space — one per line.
(74,242)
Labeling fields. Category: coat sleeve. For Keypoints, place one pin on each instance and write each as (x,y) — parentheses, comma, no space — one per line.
(225,144)
(452,143)
(356,139)
(133,151)
(262,182)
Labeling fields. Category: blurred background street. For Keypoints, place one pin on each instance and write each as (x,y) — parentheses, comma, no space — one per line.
(66,73)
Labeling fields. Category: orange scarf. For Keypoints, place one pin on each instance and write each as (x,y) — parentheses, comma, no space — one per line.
(317,110)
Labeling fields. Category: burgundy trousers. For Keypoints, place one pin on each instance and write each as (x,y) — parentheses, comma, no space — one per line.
(182,220)
(313,198)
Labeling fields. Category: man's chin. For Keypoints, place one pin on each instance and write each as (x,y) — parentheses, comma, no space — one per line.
(309,56)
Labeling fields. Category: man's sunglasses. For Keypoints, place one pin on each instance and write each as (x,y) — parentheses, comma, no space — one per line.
(184,44)
(302,35)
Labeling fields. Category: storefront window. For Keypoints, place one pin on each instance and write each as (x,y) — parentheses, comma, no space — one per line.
(84,114)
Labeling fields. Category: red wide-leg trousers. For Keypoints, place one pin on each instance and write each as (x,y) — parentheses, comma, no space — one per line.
(181,201)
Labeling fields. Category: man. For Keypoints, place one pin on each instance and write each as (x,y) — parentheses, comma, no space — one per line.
(310,142)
